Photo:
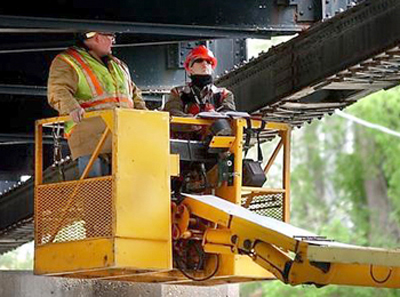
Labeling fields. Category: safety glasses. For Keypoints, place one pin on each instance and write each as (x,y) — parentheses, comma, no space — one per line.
(111,35)
(201,60)
(89,35)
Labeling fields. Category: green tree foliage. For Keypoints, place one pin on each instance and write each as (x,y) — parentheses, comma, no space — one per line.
(374,162)
(345,185)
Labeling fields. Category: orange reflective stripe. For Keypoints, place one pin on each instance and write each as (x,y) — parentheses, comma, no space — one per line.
(106,100)
(66,60)
(87,69)
(67,135)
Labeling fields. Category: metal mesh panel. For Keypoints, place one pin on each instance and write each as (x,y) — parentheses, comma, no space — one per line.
(75,210)
(270,205)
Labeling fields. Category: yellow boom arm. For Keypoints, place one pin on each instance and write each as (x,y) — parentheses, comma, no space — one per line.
(293,255)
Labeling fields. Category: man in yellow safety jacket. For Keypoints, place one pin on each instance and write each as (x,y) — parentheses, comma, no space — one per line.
(87,77)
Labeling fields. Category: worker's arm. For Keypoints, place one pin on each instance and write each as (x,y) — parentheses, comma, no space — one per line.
(174,105)
(228,101)
(61,87)
(138,102)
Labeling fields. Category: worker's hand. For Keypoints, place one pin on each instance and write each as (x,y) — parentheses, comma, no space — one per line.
(77,114)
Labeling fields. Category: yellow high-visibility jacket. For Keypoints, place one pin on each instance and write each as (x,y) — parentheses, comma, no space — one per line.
(79,78)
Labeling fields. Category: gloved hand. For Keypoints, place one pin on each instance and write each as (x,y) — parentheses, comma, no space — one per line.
(77,114)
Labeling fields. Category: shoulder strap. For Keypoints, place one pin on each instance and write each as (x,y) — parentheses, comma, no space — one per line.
(259,150)
(249,133)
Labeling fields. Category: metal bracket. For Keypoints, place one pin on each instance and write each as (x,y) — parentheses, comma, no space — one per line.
(177,53)
(315,10)
(308,10)
(332,7)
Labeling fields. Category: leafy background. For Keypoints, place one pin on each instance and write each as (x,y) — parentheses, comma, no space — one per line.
(345,185)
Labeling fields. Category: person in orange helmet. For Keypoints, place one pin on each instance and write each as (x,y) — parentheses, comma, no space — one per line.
(200,94)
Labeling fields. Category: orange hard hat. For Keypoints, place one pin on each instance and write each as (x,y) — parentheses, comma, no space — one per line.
(200,52)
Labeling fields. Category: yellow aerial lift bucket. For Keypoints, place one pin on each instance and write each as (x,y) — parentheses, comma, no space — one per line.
(119,226)
(114,224)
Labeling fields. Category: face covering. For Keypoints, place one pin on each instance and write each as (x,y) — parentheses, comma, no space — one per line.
(201,81)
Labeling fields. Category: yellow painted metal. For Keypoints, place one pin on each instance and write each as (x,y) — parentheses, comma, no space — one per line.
(313,263)
(38,167)
(143,253)
(181,221)
(233,193)
(95,154)
(141,209)
(362,275)
(62,119)
(250,192)
(140,202)
(272,259)
(141,163)
(284,132)
(230,265)
(270,125)
(367,275)
(108,119)
(243,228)
(220,241)
(273,157)
(77,187)
(73,256)
(64,211)
(174,165)
(38,154)
(218,236)
(190,121)
(217,249)
(264,191)
(222,141)
(236,265)
(227,265)
(245,266)
(71,199)
(247,230)
(207,212)
(286,174)
(353,254)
